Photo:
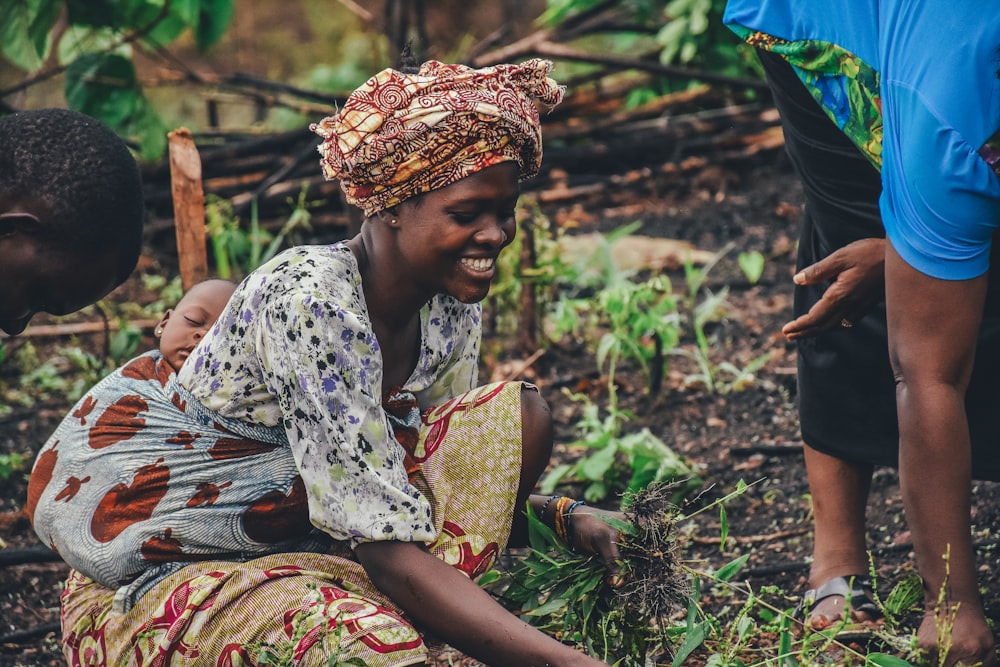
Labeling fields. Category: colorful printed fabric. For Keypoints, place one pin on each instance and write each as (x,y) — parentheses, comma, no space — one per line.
(402,134)
(139,480)
(296,348)
(846,87)
(310,606)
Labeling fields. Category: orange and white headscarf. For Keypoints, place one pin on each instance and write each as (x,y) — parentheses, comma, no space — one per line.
(399,135)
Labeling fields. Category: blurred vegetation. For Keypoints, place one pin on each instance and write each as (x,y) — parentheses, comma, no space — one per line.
(131,63)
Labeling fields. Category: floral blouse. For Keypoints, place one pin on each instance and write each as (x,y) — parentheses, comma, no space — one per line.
(295,347)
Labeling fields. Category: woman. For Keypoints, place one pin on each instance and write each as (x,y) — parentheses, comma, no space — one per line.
(891,111)
(362,484)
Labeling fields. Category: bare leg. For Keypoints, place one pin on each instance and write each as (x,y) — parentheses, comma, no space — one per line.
(840,494)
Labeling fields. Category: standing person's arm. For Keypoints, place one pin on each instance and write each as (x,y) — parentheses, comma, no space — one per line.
(933,327)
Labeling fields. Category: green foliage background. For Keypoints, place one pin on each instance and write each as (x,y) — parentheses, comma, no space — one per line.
(103,50)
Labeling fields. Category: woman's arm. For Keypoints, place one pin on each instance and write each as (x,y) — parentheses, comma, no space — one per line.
(444,602)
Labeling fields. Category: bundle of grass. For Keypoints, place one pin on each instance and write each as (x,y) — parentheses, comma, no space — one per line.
(572,597)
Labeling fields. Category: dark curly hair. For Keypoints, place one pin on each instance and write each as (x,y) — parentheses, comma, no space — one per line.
(83,174)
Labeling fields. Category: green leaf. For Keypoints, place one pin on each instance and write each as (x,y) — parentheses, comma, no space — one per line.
(885,660)
(905,595)
(551,605)
(730,569)
(594,467)
(146,129)
(489,577)
(723,527)
(97,13)
(25,27)
(752,264)
(692,640)
(553,478)
(80,40)
(213,19)
(166,30)
(102,86)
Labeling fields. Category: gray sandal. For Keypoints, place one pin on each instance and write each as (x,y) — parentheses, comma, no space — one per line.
(858,592)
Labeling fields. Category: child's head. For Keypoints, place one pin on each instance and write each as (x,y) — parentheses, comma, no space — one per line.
(183,327)
(71,211)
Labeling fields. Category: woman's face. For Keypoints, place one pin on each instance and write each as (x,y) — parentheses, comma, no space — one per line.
(449,238)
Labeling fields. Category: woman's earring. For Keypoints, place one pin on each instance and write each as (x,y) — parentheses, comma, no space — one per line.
(393,222)
(158,331)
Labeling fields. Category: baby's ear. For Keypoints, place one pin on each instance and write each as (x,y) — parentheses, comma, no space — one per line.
(158,331)
(14,222)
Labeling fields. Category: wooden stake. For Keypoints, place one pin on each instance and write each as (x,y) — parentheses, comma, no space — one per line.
(189,207)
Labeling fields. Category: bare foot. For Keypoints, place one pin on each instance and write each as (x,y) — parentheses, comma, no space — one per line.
(967,638)
(840,599)
(830,611)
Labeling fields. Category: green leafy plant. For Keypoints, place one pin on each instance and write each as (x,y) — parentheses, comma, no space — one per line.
(12,463)
(617,462)
(701,307)
(239,251)
(570,596)
(96,52)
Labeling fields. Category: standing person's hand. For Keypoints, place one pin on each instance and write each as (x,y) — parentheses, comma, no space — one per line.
(857,282)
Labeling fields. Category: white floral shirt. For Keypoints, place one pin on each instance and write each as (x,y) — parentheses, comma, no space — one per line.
(295,347)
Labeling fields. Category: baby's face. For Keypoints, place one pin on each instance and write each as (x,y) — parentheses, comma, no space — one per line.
(183,327)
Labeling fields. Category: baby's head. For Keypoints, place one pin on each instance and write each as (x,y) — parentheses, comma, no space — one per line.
(183,327)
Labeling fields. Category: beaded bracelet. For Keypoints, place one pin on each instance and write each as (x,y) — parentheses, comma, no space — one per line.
(560,520)
(569,521)
(545,506)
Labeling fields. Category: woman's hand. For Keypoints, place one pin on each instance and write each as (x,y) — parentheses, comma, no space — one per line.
(857,275)
(592,535)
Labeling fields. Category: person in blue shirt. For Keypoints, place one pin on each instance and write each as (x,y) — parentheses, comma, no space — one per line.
(891,111)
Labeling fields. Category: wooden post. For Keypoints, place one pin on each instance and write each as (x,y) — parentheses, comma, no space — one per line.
(189,207)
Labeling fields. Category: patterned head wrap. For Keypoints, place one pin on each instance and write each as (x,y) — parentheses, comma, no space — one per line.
(399,135)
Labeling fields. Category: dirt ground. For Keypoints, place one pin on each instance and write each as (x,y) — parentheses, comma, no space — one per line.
(750,435)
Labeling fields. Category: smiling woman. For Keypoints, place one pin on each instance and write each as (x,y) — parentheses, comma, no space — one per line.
(364,482)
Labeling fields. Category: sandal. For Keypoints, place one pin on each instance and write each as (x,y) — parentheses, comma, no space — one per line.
(858,594)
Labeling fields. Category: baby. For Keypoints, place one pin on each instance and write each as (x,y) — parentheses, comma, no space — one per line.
(183,327)
(105,467)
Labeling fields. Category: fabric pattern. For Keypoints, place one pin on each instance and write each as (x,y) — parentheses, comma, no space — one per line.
(402,134)
(308,304)
(845,87)
(939,108)
(314,606)
(138,480)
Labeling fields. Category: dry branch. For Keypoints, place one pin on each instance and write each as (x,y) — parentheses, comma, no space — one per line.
(76,328)
(189,207)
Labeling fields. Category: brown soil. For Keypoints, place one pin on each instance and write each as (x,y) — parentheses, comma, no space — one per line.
(750,435)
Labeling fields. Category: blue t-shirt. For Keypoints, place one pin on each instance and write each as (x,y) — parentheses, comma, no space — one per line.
(938,64)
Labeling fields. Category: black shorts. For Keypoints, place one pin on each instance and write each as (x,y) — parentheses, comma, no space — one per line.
(847,396)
